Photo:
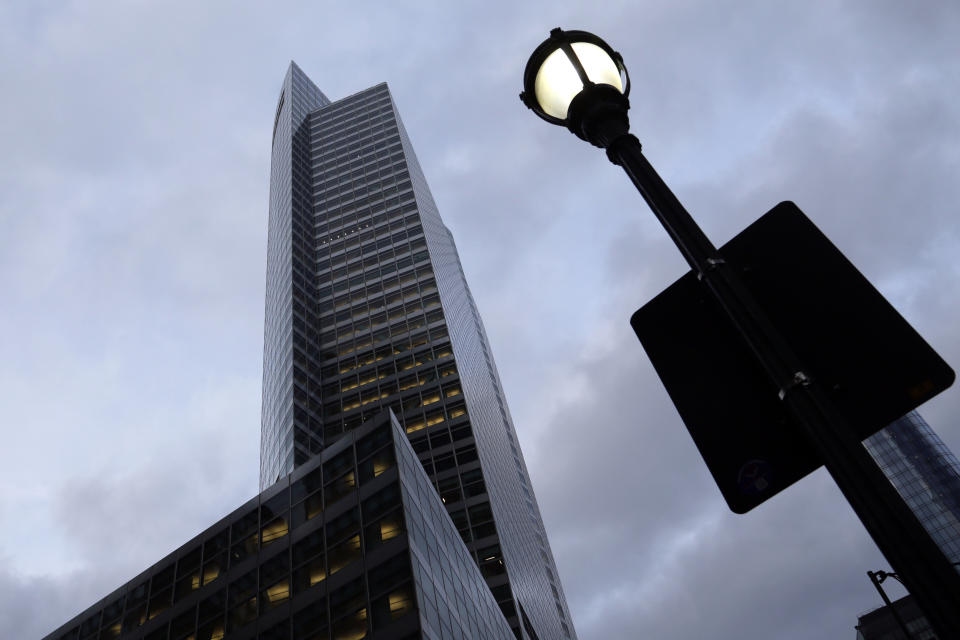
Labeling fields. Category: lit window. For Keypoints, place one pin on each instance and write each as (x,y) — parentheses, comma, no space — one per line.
(389,529)
(278,592)
(415,426)
(273,531)
(317,572)
(374,398)
(409,383)
(400,603)
(351,628)
(380,465)
(210,572)
(314,506)
(344,554)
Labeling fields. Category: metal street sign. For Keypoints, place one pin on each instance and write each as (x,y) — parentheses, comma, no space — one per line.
(847,335)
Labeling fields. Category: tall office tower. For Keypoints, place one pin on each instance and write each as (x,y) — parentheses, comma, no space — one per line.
(926,473)
(367,308)
(386,441)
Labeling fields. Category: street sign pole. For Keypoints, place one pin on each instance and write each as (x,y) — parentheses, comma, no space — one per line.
(895,529)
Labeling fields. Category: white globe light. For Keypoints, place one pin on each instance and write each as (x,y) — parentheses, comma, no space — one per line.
(558,83)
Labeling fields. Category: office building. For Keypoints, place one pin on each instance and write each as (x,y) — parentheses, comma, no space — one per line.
(927,474)
(369,325)
(880,624)
(368,308)
(354,544)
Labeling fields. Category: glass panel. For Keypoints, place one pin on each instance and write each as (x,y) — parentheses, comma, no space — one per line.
(311,573)
(353,627)
(213,568)
(600,67)
(344,553)
(276,594)
(274,531)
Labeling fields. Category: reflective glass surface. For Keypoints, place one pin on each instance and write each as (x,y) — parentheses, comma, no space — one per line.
(329,552)
(368,309)
(926,474)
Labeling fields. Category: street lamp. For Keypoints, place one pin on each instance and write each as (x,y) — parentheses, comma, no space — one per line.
(575,79)
(877,578)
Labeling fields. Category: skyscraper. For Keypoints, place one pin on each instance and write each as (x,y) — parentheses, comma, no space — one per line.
(382,408)
(927,474)
(367,308)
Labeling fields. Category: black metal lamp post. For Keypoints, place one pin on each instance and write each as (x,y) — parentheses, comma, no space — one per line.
(877,578)
(577,80)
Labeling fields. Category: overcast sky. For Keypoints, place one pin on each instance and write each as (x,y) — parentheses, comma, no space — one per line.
(133,212)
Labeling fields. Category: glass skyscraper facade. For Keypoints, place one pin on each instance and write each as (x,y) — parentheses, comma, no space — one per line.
(368,309)
(354,545)
(395,503)
(926,473)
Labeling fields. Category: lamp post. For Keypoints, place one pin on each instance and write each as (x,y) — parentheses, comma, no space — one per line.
(575,79)
(877,578)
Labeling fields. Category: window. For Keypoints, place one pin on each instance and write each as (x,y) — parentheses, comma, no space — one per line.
(381,502)
(275,594)
(344,553)
(376,465)
(311,620)
(347,608)
(387,528)
(212,606)
(392,605)
(340,487)
(273,531)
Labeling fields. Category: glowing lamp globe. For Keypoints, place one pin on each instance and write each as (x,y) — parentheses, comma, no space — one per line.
(571,76)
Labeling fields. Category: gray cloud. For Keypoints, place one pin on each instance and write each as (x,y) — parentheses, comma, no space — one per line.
(133,201)
(31,607)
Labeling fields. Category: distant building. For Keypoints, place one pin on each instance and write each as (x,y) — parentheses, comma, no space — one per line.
(880,624)
(927,474)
